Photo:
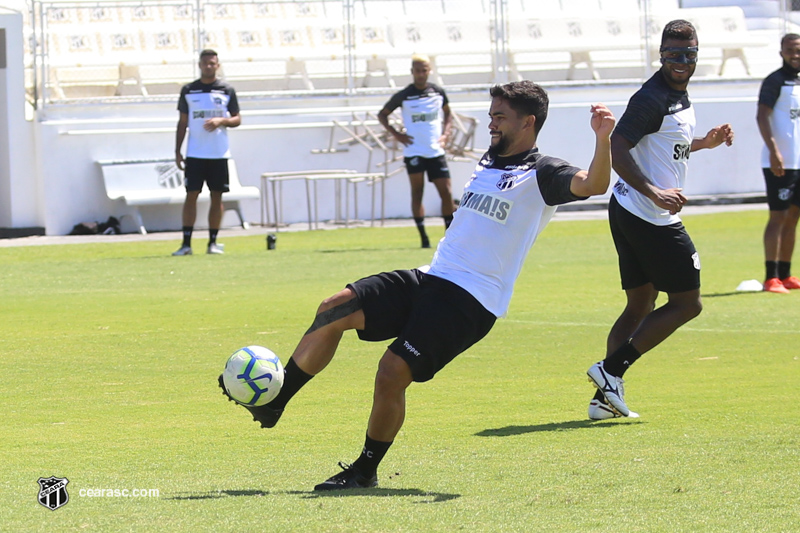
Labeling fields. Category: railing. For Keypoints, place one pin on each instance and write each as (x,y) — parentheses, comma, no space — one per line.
(90,51)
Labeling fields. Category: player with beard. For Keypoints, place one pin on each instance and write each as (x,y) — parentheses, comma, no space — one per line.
(430,315)
(651,147)
(779,124)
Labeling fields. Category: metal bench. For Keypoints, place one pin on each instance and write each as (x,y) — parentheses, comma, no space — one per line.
(160,182)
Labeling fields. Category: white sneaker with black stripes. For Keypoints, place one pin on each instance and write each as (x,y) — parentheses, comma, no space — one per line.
(611,387)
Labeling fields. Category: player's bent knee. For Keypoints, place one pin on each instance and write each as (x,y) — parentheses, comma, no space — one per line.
(337,299)
(697,308)
(393,373)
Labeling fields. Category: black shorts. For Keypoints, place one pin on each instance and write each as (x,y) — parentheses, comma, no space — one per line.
(781,190)
(662,255)
(432,320)
(436,167)
(211,171)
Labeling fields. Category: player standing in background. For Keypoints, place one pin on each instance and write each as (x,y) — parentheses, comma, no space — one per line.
(432,315)
(778,119)
(427,120)
(207,107)
(650,148)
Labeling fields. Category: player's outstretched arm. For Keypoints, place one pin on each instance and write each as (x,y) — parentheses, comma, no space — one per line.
(595,180)
(715,136)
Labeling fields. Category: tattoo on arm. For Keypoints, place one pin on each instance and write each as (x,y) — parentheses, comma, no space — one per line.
(334,313)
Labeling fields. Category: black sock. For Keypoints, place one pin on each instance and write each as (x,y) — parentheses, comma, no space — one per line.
(784,269)
(293,381)
(420,222)
(772,269)
(447,221)
(621,359)
(599,396)
(212,236)
(371,456)
(187,236)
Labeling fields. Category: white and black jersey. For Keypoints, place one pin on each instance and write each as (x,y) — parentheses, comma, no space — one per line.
(659,122)
(423,118)
(202,101)
(780,91)
(506,205)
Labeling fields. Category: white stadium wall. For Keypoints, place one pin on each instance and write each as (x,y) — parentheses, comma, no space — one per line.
(19,176)
(280,135)
(104,92)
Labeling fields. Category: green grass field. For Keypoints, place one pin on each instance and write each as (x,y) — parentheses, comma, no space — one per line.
(110,354)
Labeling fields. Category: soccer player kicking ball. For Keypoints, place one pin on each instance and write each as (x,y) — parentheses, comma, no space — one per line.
(435,313)
(651,149)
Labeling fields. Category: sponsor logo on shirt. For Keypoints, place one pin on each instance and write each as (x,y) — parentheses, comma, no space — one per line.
(794,113)
(620,189)
(208,113)
(681,151)
(487,205)
(425,117)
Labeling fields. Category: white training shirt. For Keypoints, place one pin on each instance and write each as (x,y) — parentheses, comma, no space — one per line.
(659,122)
(780,91)
(423,118)
(505,206)
(202,101)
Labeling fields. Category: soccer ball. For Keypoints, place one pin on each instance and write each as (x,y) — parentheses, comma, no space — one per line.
(253,375)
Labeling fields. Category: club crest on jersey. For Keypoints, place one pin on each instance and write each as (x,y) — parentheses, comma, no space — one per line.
(506,182)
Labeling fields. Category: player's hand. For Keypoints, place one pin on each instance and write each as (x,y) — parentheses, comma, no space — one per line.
(718,135)
(213,123)
(179,161)
(603,120)
(407,140)
(670,199)
(776,164)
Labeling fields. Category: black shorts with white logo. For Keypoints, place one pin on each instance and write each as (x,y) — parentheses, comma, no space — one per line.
(662,255)
(432,320)
(781,190)
(436,167)
(211,171)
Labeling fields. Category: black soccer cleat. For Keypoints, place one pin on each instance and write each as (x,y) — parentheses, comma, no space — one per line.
(264,414)
(348,478)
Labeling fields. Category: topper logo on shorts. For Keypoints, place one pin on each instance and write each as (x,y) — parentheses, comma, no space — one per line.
(411,349)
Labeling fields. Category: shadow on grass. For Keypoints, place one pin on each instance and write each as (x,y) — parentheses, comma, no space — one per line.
(350,250)
(509,431)
(733,293)
(214,494)
(428,497)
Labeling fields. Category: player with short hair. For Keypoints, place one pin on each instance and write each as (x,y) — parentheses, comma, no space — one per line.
(651,147)
(427,120)
(778,119)
(207,107)
(435,313)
